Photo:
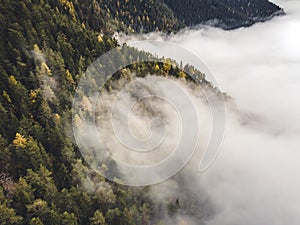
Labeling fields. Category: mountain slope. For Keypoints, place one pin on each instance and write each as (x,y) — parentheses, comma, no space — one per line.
(131,16)
(45,47)
(227,14)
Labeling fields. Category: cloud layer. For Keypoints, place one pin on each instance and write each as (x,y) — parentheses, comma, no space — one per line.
(255,179)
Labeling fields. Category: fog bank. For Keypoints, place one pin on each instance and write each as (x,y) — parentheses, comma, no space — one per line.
(255,179)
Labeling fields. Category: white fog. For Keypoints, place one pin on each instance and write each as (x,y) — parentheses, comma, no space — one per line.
(256,178)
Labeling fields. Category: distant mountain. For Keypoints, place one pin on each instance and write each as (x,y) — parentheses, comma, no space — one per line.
(132,16)
(227,14)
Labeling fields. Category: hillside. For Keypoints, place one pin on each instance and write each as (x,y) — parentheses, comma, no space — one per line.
(45,48)
(227,14)
(168,16)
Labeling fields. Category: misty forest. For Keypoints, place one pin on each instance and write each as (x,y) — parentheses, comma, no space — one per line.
(237,59)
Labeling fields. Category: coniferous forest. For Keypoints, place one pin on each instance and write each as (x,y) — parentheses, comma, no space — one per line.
(45,48)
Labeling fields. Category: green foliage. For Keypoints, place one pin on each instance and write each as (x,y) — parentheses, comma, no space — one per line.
(5,155)
(35,221)
(43,183)
(40,208)
(69,219)
(229,14)
(98,218)
(22,196)
(27,153)
(114,216)
(7,214)
(45,47)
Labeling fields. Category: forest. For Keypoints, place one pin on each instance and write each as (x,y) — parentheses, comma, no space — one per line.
(45,48)
(228,14)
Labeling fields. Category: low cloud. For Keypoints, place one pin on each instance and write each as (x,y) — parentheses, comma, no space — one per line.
(255,179)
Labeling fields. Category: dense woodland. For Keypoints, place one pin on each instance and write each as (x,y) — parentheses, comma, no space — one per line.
(227,14)
(45,48)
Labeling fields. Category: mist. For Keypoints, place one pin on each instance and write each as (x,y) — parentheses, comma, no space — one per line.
(255,179)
